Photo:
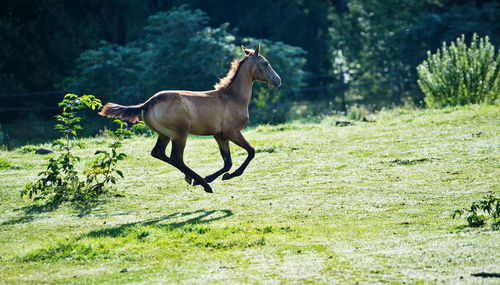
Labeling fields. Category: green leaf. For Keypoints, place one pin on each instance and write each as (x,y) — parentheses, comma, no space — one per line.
(457,213)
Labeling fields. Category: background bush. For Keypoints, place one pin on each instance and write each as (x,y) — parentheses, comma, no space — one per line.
(459,75)
(178,50)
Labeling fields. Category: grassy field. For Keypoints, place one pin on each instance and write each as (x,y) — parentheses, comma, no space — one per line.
(367,203)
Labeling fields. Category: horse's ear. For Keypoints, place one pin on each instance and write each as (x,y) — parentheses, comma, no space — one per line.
(257,50)
(246,51)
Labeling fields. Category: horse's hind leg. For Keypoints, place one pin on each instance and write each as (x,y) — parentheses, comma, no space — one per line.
(159,148)
(239,140)
(176,159)
(159,153)
(189,180)
(176,156)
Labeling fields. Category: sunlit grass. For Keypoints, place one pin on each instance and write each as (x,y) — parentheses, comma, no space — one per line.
(370,202)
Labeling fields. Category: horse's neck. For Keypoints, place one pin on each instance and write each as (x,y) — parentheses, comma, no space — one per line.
(241,88)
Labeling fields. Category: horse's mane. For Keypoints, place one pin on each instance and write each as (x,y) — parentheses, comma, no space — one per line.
(231,75)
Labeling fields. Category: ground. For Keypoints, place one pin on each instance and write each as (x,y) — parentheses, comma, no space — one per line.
(369,202)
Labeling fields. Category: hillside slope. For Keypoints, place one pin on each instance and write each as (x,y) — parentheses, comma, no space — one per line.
(370,202)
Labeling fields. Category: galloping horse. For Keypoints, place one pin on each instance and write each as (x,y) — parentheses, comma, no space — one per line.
(221,113)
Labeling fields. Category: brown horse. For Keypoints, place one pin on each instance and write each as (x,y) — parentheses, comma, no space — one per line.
(221,113)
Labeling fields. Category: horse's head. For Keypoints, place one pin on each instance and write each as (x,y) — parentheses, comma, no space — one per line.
(261,69)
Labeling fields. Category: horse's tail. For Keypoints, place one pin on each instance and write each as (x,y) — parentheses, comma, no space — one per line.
(127,113)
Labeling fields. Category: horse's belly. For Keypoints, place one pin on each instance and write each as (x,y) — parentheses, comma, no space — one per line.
(204,128)
(205,114)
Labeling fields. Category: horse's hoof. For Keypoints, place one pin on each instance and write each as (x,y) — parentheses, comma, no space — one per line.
(226,176)
(208,189)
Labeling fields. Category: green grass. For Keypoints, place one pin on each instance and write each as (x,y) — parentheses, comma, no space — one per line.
(368,203)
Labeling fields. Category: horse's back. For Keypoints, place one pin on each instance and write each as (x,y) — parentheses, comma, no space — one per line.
(185,111)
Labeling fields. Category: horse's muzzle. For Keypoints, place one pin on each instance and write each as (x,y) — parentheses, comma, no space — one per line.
(276,82)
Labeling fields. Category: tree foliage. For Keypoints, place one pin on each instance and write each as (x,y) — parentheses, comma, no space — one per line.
(379,43)
(382,42)
(177,50)
(459,75)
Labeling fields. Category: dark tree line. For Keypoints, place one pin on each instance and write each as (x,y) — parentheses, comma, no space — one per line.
(40,40)
(371,46)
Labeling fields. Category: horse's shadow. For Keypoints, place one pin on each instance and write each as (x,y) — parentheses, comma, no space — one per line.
(198,217)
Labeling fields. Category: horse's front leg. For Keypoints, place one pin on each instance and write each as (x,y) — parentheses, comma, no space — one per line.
(239,140)
(226,156)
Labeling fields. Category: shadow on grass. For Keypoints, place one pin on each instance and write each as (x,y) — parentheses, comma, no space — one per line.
(486,275)
(196,218)
(495,226)
(410,161)
(88,247)
(40,207)
(85,207)
(29,212)
(20,220)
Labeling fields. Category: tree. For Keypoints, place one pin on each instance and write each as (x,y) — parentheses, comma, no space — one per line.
(382,42)
(177,50)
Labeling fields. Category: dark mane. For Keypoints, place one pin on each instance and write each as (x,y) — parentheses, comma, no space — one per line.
(228,79)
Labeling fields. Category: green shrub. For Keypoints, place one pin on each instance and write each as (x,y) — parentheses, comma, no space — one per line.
(481,211)
(61,180)
(272,113)
(27,148)
(100,171)
(357,112)
(459,75)
(139,128)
